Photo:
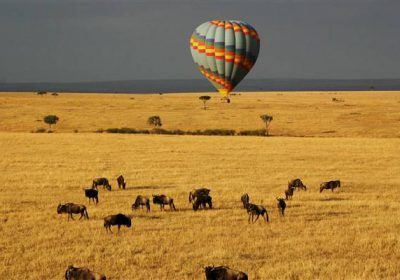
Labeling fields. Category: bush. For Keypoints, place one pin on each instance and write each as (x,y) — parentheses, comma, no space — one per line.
(40,130)
(257,132)
(223,132)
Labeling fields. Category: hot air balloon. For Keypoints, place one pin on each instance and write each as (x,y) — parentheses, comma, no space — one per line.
(224,52)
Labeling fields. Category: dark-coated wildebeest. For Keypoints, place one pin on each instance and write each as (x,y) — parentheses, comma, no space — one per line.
(329,185)
(202,200)
(297,184)
(281,205)
(256,210)
(289,193)
(72,208)
(117,220)
(224,273)
(92,194)
(164,200)
(141,201)
(245,200)
(121,182)
(101,182)
(82,273)
(198,192)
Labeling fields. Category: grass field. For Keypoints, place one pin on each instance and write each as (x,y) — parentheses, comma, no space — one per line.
(362,114)
(353,233)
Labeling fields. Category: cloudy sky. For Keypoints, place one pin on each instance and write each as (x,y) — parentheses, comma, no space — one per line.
(105,40)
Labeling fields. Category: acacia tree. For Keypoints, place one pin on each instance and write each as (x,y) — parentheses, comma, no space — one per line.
(154,121)
(51,119)
(267,119)
(204,98)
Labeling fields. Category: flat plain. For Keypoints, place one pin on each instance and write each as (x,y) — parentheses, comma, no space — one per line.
(352,233)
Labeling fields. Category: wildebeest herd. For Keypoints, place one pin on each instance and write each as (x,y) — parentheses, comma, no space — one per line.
(199,198)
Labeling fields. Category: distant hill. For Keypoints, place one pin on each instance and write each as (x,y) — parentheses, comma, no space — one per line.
(201,85)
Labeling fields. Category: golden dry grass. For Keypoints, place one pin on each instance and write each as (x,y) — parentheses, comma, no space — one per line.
(351,234)
(362,114)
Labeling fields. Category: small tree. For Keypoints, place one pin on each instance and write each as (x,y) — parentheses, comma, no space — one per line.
(204,98)
(50,119)
(267,119)
(154,121)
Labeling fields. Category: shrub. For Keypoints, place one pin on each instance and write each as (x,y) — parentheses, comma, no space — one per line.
(257,132)
(40,130)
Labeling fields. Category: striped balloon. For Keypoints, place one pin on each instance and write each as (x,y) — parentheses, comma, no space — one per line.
(224,52)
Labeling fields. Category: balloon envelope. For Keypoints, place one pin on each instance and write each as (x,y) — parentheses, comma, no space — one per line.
(224,52)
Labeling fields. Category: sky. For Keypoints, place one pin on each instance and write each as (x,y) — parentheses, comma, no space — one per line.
(111,40)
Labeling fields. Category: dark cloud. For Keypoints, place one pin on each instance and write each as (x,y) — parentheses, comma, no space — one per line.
(89,40)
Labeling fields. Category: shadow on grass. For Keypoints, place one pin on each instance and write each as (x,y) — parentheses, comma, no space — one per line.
(149,187)
(332,199)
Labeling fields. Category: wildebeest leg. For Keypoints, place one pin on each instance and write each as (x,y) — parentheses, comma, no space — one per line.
(70,214)
(119,227)
(172,206)
(249,217)
(258,215)
(82,214)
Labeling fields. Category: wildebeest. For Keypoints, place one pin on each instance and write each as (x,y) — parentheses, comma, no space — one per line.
(202,200)
(281,205)
(82,273)
(121,182)
(163,200)
(140,202)
(101,182)
(224,273)
(245,199)
(289,193)
(117,220)
(72,208)
(297,183)
(256,210)
(197,192)
(329,185)
(92,194)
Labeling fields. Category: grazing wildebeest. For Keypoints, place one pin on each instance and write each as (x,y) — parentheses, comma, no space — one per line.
(121,182)
(223,273)
(82,273)
(256,210)
(72,208)
(140,202)
(202,200)
(289,193)
(329,185)
(297,183)
(245,200)
(92,194)
(117,220)
(101,182)
(163,200)
(197,192)
(281,205)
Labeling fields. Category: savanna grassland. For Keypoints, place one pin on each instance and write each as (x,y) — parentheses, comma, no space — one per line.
(353,233)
